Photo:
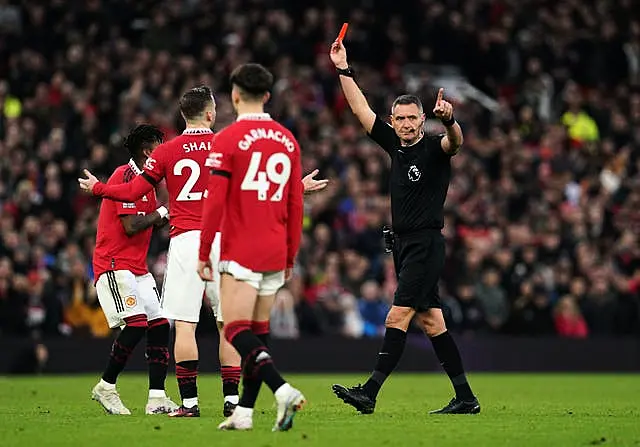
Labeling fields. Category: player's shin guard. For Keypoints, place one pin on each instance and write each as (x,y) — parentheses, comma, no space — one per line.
(447,351)
(157,353)
(187,375)
(256,359)
(388,358)
(251,385)
(123,346)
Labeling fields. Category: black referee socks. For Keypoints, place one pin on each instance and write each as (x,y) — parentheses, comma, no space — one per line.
(388,358)
(447,351)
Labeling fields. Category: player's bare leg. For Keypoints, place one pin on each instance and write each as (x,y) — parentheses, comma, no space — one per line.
(243,416)
(230,372)
(157,355)
(363,397)
(185,352)
(238,312)
(105,391)
(433,325)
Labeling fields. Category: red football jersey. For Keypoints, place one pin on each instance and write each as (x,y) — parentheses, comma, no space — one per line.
(255,195)
(181,162)
(114,249)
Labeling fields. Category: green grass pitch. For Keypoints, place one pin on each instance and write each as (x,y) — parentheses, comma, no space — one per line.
(517,410)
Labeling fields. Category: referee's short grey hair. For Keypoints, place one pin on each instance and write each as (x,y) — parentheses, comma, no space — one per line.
(407,99)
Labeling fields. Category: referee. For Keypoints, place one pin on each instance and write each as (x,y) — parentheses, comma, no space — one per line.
(420,175)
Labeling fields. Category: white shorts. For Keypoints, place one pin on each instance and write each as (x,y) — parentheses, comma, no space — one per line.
(183,290)
(123,294)
(267,283)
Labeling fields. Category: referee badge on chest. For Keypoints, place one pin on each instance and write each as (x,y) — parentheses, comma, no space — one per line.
(414,173)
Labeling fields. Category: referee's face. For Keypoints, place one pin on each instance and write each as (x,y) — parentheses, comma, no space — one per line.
(407,120)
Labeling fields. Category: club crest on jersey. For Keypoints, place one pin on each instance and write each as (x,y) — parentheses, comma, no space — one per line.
(414,173)
(130,301)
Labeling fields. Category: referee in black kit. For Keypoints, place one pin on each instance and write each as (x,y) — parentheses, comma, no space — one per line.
(420,175)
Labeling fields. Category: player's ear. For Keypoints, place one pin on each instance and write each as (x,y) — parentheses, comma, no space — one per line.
(235,96)
(266,97)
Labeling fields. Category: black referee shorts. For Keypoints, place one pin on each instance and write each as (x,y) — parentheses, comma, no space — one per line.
(419,261)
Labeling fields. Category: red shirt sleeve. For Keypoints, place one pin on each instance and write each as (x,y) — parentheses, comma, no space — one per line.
(139,186)
(295,211)
(122,208)
(220,163)
(125,192)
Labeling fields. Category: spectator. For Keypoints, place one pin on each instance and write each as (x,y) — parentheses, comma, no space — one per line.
(284,323)
(532,312)
(546,189)
(473,318)
(373,309)
(568,320)
(493,299)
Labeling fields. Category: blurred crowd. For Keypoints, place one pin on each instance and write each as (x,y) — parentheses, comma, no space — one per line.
(542,217)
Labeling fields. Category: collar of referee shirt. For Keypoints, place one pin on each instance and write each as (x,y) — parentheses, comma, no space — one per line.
(196,131)
(134,167)
(254,117)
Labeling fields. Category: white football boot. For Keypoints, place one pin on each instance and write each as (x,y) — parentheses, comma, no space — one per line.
(241,419)
(110,399)
(160,405)
(289,401)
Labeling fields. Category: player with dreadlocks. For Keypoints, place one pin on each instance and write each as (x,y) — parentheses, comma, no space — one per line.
(126,290)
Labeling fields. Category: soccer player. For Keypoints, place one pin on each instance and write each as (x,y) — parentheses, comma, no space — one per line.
(126,290)
(255,199)
(182,163)
(420,176)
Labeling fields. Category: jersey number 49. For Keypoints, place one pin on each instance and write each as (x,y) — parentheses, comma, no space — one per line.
(277,171)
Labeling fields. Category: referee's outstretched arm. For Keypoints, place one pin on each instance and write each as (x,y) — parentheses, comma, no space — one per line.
(352,92)
(453,139)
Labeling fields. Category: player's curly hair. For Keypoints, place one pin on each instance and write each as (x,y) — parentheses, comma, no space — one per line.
(142,137)
(195,101)
(253,80)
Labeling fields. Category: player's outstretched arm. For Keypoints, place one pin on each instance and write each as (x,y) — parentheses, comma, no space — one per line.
(295,214)
(124,192)
(353,94)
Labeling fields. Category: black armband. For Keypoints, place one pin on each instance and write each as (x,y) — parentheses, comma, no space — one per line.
(348,72)
(450,122)
(150,179)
